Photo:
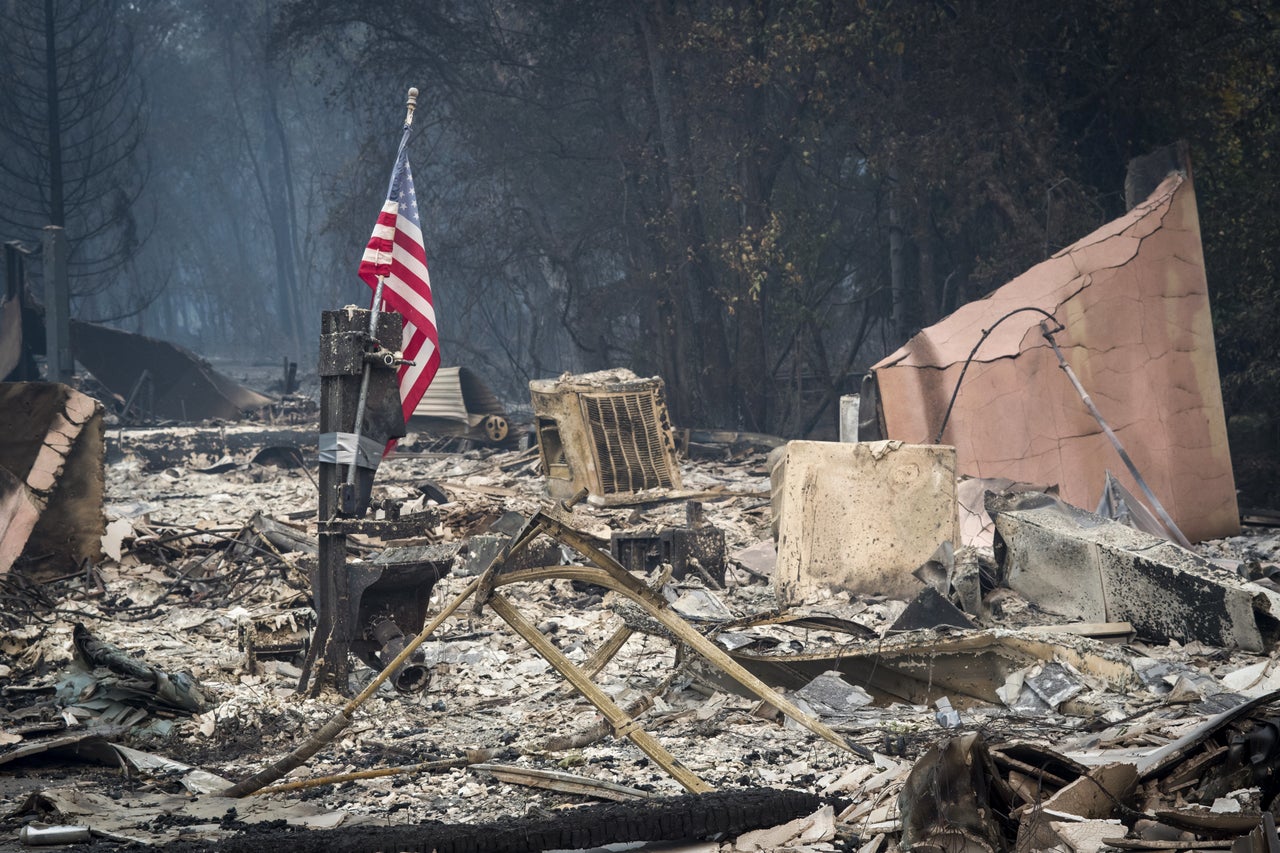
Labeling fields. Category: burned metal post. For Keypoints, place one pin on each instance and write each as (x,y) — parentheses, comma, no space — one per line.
(349,457)
(57,306)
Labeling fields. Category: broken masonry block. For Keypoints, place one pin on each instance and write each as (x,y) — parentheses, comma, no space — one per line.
(860,517)
(1073,563)
(51,478)
(607,432)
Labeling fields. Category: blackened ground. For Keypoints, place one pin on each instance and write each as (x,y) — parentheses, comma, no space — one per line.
(688,817)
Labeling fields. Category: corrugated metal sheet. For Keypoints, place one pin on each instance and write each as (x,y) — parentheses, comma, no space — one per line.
(458,394)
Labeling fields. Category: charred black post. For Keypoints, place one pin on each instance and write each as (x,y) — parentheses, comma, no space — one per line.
(346,346)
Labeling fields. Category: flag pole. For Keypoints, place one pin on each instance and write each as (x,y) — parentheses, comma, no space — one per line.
(410,106)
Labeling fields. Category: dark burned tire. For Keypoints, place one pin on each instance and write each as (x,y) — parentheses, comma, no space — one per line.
(689,817)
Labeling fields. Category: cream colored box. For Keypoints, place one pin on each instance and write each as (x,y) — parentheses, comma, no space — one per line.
(860,517)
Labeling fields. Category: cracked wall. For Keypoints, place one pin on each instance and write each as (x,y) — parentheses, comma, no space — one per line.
(1135,303)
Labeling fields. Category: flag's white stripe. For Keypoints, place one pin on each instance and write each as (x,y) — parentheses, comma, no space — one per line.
(413,232)
(414,268)
(413,299)
(411,374)
(411,263)
(385,232)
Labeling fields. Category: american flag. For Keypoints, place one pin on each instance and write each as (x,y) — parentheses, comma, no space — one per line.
(396,254)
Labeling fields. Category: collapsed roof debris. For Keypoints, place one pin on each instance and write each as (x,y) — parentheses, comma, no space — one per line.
(160,378)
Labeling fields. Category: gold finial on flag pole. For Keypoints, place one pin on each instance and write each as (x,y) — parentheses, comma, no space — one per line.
(412,104)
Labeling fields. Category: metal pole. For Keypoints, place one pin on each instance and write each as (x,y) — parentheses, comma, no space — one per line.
(364,386)
(57,306)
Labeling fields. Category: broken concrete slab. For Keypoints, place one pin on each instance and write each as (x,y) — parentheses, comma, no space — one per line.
(1073,563)
(51,450)
(860,517)
(1134,300)
(607,432)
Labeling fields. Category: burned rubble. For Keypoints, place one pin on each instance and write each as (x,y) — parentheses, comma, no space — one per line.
(206,584)
(596,630)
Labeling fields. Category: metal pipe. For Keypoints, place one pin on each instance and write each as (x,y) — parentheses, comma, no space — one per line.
(410,677)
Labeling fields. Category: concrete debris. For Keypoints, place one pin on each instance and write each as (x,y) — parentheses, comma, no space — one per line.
(1074,563)
(859,518)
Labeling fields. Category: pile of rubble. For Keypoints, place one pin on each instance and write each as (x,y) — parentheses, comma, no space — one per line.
(603,630)
(962,714)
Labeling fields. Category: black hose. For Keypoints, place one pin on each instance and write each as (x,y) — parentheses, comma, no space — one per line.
(985,334)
